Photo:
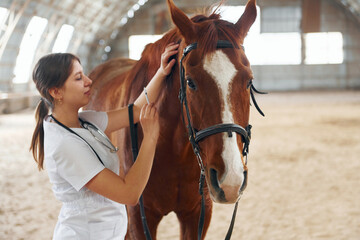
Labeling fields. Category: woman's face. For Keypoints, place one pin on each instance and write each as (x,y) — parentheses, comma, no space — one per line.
(76,90)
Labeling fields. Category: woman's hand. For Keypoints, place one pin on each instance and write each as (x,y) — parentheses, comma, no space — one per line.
(149,120)
(166,65)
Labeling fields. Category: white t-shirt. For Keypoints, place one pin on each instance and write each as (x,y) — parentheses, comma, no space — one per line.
(71,164)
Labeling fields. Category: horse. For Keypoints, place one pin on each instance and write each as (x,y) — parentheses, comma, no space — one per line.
(217,83)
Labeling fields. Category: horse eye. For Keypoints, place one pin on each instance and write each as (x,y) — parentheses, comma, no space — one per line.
(191,84)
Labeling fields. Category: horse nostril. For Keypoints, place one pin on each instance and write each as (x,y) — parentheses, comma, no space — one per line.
(243,186)
(215,184)
(214,180)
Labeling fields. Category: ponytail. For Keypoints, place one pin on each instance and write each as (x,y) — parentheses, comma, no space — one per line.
(37,142)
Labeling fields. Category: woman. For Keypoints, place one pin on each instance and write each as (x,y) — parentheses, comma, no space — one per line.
(82,164)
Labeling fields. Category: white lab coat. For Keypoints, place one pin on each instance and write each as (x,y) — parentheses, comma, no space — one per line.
(70,164)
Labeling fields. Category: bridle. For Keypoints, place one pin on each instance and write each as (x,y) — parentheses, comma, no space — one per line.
(195,136)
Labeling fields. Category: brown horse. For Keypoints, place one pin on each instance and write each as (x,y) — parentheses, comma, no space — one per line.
(217,93)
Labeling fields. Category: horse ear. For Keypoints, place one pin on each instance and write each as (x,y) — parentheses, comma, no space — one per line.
(247,19)
(183,23)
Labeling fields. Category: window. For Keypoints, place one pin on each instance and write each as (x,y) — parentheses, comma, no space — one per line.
(266,48)
(137,44)
(281,19)
(63,38)
(28,47)
(3,14)
(274,49)
(324,48)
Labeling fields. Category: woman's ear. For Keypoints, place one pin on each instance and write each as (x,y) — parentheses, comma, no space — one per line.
(56,93)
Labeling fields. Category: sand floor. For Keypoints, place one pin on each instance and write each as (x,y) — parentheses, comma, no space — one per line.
(304,174)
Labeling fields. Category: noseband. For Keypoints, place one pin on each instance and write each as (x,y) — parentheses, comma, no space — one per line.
(196,136)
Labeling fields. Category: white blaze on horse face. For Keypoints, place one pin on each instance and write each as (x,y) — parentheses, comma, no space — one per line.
(219,66)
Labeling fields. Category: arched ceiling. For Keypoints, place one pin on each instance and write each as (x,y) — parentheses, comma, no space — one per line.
(353,6)
(91,19)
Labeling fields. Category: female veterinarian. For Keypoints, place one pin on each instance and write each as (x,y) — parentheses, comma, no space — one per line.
(82,163)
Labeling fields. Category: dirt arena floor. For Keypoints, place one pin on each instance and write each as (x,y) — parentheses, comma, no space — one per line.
(304,175)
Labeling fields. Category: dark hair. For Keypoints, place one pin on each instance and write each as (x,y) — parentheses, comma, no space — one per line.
(50,71)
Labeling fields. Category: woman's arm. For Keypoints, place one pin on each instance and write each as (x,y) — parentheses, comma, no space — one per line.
(120,118)
(128,190)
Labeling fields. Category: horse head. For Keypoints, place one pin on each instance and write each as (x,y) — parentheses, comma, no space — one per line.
(218,93)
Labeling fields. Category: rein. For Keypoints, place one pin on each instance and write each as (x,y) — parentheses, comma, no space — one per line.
(196,136)
(135,151)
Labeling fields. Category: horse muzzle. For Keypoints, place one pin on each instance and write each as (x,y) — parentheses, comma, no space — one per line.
(223,193)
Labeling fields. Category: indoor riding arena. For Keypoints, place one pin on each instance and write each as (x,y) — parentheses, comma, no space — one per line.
(303,160)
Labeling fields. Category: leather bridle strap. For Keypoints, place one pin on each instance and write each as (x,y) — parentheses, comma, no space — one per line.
(135,151)
(252,90)
(202,206)
(229,128)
